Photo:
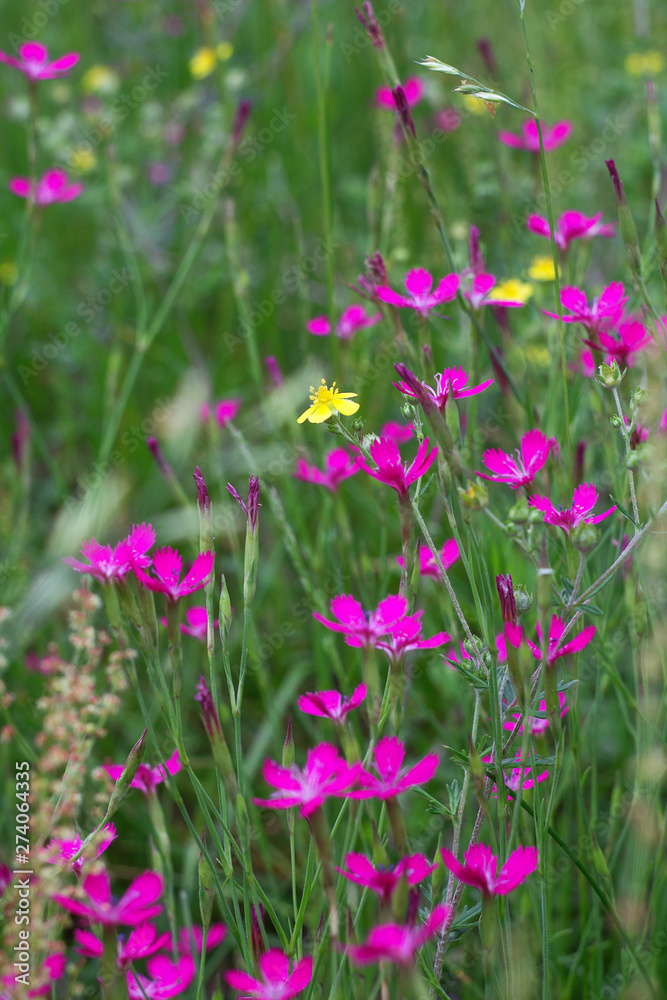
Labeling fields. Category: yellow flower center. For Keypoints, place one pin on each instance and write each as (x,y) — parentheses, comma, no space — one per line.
(542,268)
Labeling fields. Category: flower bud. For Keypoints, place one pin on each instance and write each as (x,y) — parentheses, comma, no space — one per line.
(523,598)
(518,513)
(610,376)
(134,759)
(585,537)
(289,755)
(476,497)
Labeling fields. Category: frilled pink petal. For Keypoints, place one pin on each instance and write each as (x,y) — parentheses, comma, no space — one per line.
(319,326)
(140,539)
(389,611)
(389,754)
(439,639)
(612,298)
(542,503)
(501,464)
(579,641)
(535,448)
(573,299)
(421,772)
(584,499)
(76,907)
(20,186)
(98,887)
(356,698)
(325,704)
(416,868)
(88,944)
(423,461)
(348,611)
(359,869)
(521,863)
(399,432)
(418,282)
(199,574)
(482,285)
(136,903)
(167,565)
(280,777)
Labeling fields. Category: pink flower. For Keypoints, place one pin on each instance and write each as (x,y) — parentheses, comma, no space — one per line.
(383,880)
(61,850)
(604,311)
(571,226)
(331,704)
(390,780)
(454,380)
(364,628)
(165,979)
(34,63)
(225,411)
(141,942)
(405,636)
(216,934)
(389,468)
(449,554)
(419,284)
(197,623)
(53,967)
(522,468)
(51,187)
(413,89)
(448,119)
(518,776)
(276,982)
(552,137)
(108,564)
(555,651)
(167,566)
(584,499)
(536,724)
(324,775)
(400,433)
(339,465)
(481,294)
(352,319)
(397,943)
(622,344)
(481,868)
(147,778)
(134,907)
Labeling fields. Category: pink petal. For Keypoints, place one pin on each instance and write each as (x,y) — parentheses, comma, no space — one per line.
(521,863)
(274,966)
(319,326)
(389,754)
(510,139)
(20,186)
(421,772)
(419,282)
(300,978)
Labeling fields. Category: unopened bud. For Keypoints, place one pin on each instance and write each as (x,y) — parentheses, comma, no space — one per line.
(518,513)
(523,599)
(289,755)
(585,537)
(610,376)
(134,759)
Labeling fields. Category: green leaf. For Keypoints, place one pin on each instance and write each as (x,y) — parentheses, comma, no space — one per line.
(626,514)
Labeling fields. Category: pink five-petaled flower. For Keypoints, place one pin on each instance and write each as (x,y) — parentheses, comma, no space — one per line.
(536,724)
(397,943)
(33,61)
(552,137)
(225,410)
(571,226)
(584,500)
(622,344)
(413,88)
(52,186)
(449,554)
(324,775)
(359,627)
(555,651)
(405,636)
(276,982)
(143,941)
(216,934)
(136,905)
(352,319)
(391,470)
(481,293)
(107,563)
(521,469)
(390,780)
(384,879)
(61,850)
(147,778)
(421,296)
(481,868)
(400,433)
(165,978)
(451,380)
(331,704)
(167,566)
(604,312)
(338,466)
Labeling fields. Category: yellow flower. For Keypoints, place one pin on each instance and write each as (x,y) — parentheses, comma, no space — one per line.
(542,268)
(224,51)
(511,290)
(9,272)
(82,160)
(202,63)
(326,402)
(100,80)
(644,63)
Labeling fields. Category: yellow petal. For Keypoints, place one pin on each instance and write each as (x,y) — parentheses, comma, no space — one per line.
(321,412)
(346,395)
(306,414)
(344,406)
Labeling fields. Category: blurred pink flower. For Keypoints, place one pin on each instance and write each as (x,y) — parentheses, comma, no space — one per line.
(53,186)
(454,657)
(552,136)
(555,651)
(197,623)
(165,978)
(339,465)
(389,468)
(225,410)
(449,554)
(134,907)
(623,343)
(448,119)
(33,61)
(364,628)
(390,780)
(405,636)
(536,724)
(61,850)
(147,778)
(216,934)
(519,776)
(413,88)
(421,296)
(159,174)
(481,868)
(352,319)
(521,469)
(481,293)
(142,941)
(454,380)
(107,563)
(584,500)
(384,879)
(605,311)
(167,566)
(276,983)
(397,943)
(324,775)
(331,704)
(571,226)
(400,433)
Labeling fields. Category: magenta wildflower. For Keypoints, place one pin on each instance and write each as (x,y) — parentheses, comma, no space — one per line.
(555,651)
(216,934)
(605,311)
(536,724)
(354,318)
(276,983)
(167,566)
(413,88)
(53,186)
(389,468)
(61,850)
(400,433)
(147,778)
(384,879)
(584,500)
(390,780)
(331,704)
(136,905)
(448,119)
(519,776)
(225,410)
(421,296)
(364,628)
(451,380)
(324,775)
(33,62)
(521,469)
(622,344)
(481,868)
(405,636)
(481,293)
(197,623)
(449,554)
(397,943)
(338,466)
(142,941)
(107,563)
(552,136)
(165,978)
(571,226)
